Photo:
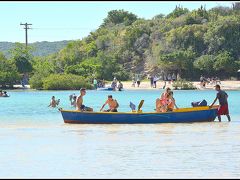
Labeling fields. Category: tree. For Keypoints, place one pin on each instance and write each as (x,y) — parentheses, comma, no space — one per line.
(135,31)
(8,72)
(205,63)
(180,61)
(119,16)
(224,34)
(225,63)
(88,68)
(42,68)
(159,16)
(178,11)
(22,58)
(187,36)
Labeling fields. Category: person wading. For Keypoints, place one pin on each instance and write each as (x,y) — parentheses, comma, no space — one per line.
(223,103)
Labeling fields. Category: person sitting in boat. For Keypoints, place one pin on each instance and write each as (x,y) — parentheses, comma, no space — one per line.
(171,103)
(112,103)
(53,102)
(80,106)
(161,104)
(1,93)
(4,94)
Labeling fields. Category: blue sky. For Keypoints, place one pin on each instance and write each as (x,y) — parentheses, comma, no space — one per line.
(56,21)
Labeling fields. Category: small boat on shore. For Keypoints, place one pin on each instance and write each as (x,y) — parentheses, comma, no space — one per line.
(183,115)
(105,89)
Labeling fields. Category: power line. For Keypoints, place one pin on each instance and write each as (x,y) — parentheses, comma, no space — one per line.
(26,29)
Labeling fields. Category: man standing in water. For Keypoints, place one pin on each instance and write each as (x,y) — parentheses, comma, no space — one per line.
(223,103)
(80,106)
(53,102)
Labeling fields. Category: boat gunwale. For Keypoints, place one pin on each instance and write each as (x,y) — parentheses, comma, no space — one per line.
(181,110)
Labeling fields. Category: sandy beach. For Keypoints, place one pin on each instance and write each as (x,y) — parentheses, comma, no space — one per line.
(145,85)
(225,85)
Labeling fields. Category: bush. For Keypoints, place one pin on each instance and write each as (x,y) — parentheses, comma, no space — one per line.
(183,85)
(8,72)
(36,81)
(65,82)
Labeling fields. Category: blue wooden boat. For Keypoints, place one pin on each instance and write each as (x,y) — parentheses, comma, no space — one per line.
(105,89)
(183,115)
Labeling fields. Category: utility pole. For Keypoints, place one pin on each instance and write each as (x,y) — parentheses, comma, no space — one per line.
(26,28)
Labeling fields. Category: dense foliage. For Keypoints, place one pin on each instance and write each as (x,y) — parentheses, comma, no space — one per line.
(65,82)
(8,72)
(188,43)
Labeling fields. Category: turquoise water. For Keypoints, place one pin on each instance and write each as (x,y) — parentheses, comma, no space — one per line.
(34,141)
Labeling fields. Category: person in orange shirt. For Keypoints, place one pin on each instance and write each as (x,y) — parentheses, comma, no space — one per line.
(112,103)
(161,104)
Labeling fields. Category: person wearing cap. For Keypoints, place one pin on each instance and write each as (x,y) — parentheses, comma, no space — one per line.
(223,103)
(112,103)
(80,106)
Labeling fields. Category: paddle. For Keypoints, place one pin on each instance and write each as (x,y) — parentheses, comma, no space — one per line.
(140,105)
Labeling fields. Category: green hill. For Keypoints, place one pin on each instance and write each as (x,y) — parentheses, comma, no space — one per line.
(43,48)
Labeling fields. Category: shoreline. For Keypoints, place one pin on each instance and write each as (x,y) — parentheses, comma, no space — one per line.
(145,85)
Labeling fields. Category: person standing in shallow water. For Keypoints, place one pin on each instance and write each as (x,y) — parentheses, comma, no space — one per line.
(53,102)
(223,103)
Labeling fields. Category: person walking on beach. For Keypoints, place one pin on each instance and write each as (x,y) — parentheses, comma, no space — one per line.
(151,80)
(133,82)
(80,106)
(112,103)
(138,81)
(174,77)
(155,79)
(95,83)
(223,103)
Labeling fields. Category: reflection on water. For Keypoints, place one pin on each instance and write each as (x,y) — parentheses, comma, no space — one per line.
(43,146)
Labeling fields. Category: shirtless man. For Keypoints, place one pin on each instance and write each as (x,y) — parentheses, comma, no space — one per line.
(80,106)
(53,102)
(113,105)
(222,96)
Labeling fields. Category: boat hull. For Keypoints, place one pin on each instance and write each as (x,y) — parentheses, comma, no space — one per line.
(105,89)
(188,116)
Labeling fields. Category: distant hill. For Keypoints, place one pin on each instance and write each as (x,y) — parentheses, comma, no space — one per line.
(43,48)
